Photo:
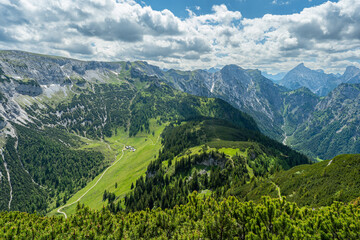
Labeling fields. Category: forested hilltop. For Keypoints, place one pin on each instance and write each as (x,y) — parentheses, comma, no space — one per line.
(211,156)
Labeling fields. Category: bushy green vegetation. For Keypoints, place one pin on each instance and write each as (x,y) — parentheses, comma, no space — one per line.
(128,168)
(205,130)
(78,80)
(207,146)
(98,111)
(26,196)
(164,189)
(199,219)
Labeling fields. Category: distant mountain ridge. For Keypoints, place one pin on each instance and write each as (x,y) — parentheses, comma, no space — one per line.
(333,126)
(351,75)
(318,81)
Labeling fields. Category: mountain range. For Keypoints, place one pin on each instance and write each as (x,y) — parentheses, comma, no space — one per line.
(281,113)
(67,127)
(63,122)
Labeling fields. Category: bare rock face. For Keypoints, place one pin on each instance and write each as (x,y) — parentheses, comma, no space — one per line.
(325,126)
(47,70)
(30,88)
(2,123)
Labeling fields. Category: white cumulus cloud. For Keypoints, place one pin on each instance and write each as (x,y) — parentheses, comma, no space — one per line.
(327,35)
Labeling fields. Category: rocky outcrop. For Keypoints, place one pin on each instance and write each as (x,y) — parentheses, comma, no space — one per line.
(2,122)
(48,70)
(320,127)
(30,88)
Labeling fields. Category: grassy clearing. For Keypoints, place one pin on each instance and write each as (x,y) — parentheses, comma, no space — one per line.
(126,171)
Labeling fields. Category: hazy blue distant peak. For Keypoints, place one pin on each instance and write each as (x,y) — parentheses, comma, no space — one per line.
(212,70)
(274,77)
(351,70)
(316,80)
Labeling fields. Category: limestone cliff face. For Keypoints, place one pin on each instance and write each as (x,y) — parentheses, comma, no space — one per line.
(48,70)
(25,74)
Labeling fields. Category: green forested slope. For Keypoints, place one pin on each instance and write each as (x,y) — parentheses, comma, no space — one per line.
(315,185)
(44,169)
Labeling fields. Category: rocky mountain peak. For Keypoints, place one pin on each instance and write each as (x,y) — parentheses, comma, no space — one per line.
(317,81)
(301,66)
(232,69)
(351,75)
(351,69)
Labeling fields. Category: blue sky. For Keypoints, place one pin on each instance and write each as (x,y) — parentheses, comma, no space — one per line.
(271,35)
(248,8)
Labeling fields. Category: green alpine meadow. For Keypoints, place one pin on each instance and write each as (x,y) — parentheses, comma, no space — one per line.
(154,119)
